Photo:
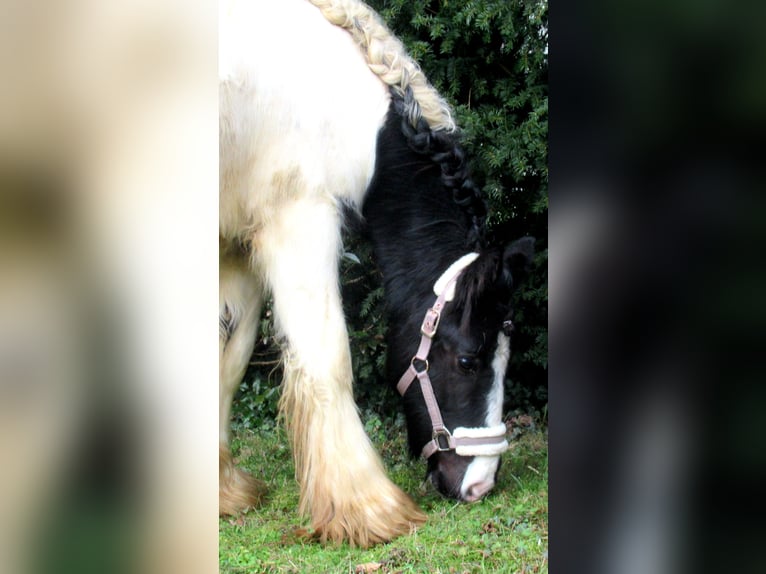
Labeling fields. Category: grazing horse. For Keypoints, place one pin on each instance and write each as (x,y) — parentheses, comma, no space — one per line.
(322,112)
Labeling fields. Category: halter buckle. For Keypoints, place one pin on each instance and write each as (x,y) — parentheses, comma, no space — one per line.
(430,323)
(442,439)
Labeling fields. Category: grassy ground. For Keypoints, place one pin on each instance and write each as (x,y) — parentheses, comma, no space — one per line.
(505,532)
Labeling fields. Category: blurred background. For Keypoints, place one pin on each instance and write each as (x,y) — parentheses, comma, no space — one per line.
(108,282)
(656,312)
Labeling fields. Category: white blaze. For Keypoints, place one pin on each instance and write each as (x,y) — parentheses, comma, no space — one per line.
(483,468)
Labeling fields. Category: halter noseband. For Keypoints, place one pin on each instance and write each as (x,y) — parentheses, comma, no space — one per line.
(482,441)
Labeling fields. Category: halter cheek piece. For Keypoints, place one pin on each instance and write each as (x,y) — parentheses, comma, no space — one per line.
(482,441)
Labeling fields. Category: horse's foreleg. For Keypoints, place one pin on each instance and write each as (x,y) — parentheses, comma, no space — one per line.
(343,483)
(240,297)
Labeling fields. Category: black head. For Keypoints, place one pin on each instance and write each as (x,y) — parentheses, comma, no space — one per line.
(467,365)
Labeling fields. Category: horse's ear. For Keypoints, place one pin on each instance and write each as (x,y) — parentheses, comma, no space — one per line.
(516,259)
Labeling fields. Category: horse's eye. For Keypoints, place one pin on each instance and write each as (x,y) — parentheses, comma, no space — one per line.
(467,363)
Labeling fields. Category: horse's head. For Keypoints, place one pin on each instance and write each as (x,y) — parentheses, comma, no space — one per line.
(465,366)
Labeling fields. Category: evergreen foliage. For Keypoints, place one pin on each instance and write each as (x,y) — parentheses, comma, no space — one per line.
(489,58)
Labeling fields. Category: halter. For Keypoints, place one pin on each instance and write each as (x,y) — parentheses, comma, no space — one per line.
(482,441)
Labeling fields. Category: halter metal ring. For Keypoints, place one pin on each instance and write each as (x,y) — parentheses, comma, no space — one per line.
(422,361)
(442,439)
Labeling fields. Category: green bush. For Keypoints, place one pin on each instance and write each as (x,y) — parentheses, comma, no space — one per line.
(489,59)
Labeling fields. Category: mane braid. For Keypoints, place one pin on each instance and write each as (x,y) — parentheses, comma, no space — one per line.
(427,118)
(387,58)
(443,149)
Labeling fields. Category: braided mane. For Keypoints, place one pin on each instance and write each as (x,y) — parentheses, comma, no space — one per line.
(427,118)
(443,148)
(388,59)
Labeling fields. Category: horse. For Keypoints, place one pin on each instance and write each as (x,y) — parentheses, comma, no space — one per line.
(323,118)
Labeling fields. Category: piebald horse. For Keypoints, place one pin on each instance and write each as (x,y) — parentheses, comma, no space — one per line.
(322,114)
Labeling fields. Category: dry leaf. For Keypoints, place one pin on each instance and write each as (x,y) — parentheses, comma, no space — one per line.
(489,527)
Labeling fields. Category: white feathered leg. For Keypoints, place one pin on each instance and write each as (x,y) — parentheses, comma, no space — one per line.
(343,483)
(240,297)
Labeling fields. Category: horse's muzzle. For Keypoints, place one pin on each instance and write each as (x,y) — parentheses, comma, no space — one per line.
(467,479)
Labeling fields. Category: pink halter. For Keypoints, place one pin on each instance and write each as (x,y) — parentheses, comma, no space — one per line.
(483,441)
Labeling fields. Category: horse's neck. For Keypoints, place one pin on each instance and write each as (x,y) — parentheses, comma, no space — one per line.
(416,227)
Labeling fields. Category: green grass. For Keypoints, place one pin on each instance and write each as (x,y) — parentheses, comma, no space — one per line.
(505,532)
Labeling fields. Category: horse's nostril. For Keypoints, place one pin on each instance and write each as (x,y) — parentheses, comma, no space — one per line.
(478,490)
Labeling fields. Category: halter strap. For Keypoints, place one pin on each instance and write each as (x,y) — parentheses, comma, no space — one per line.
(482,441)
